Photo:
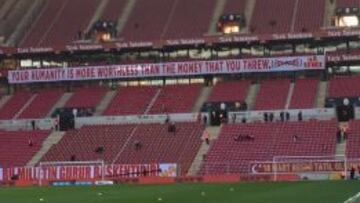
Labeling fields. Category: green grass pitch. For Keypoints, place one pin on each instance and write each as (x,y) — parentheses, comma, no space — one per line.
(297,192)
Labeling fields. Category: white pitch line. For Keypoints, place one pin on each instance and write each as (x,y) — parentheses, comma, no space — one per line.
(353,198)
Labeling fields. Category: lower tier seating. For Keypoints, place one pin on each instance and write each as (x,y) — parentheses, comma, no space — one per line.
(18,147)
(226,155)
(130,144)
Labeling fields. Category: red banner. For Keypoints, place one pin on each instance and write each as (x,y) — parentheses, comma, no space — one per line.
(85,172)
(302,167)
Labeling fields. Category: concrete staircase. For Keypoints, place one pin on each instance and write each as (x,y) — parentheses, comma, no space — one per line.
(26,22)
(218,11)
(4,100)
(293,20)
(202,98)
(248,12)
(25,106)
(53,138)
(98,13)
(105,102)
(340,150)
(61,102)
(321,94)
(125,15)
(152,102)
(290,93)
(330,7)
(6,7)
(251,95)
(214,132)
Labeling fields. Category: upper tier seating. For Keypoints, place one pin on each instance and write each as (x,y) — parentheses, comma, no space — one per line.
(15,149)
(113,10)
(42,104)
(304,94)
(272,94)
(53,27)
(148,20)
(344,86)
(273,16)
(347,3)
(131,100)
(315,138)
(234,6)
(87,97)
(183,23)
(176,99)
(157,144)
(229,91)
(309,16)
(353,141)
(15,104)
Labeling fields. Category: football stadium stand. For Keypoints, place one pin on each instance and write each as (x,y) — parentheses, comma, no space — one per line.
(86,97)
(344,86)
(304,94)
(131,100)
(15,104)
(229,91)
(18,147)
(272,94)
(42,104)
(118,144)
(313,138)
(166,65)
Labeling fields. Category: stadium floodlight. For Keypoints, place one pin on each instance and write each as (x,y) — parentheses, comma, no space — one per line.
(52,170)
(348,21)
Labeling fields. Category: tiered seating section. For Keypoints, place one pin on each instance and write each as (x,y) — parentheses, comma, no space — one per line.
(304,94)
(158,145)
(148,20)
(230,91)
(309,15)
(184,24)
(353,140)
(113,10)
(234,6)
(131,100)
(53,27)
(87,97)
(175,99)
(15,104)
(15,149)
(315,138)
(272,16)
(272,94)
(344,86)
(347,3)
(161,146)
(83,143)
(42,104)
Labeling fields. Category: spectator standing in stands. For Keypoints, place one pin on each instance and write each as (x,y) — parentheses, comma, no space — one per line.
(271,117)
(205,120)
(287,116)
(206,137)
(266,118)
(282,116)
(300,116)
(33,124)
(352,173)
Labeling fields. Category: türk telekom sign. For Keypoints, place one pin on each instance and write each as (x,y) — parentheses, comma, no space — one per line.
(185,68)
